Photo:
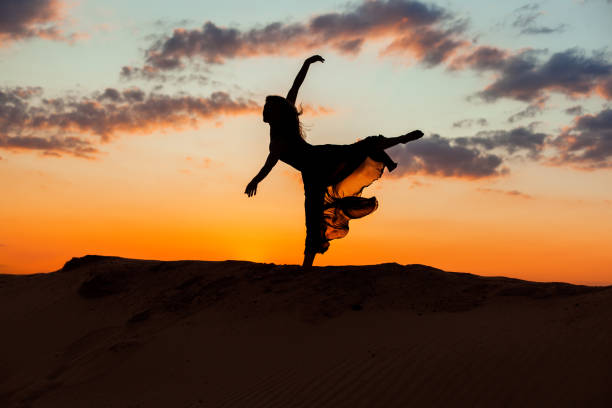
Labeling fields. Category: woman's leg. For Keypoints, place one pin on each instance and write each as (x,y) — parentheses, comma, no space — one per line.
(313,206)
(308,259)
(387,142)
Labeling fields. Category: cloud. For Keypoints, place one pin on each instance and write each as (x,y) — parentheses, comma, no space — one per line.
(587,143)
(414,30)
(525,20)
(510,141)
(73,125)
(149,73)
(529,112)
(25,93)
(525,77)
(512,193)
(24,19)
(574,110)
(50,146)
(605,89)
(416,184)
(439,156)
(204,162)
(146,72)
(467,123)
(199,163)
(481,58)
(430,46)
(426,32)
(318,110)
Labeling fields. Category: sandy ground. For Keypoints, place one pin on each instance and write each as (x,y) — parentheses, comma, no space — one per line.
(115,332)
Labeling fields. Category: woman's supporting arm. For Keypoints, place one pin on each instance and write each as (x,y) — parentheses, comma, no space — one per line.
(299,79)
(271,161)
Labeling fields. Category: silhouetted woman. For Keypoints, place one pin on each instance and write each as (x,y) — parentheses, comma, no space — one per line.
(333,175)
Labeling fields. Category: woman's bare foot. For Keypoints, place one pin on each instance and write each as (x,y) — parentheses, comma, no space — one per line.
(414,135)
(308,260)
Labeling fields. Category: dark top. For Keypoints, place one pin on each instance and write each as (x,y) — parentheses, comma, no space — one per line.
(292,151)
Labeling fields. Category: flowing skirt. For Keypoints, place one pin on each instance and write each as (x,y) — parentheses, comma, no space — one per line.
(334,179)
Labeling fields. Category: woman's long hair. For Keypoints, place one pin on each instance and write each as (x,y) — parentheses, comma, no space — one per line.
(286,118)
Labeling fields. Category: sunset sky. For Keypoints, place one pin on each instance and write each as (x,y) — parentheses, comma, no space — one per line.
(132,129)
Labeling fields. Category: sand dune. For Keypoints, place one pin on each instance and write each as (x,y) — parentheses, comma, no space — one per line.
(115,332)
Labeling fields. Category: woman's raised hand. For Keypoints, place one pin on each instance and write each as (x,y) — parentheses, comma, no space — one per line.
(314,58)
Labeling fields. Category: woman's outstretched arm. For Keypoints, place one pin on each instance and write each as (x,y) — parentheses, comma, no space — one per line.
(292,95)
(271,161)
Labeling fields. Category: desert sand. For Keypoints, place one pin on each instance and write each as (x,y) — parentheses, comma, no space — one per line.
(116,332)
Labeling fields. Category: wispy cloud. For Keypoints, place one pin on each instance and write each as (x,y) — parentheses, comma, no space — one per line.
(533,109)
(198,163)
(149,73)
(468,123)
(512,193)
(525,19)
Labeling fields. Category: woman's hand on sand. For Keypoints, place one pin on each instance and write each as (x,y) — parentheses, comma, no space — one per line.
(251,188)
(314,58)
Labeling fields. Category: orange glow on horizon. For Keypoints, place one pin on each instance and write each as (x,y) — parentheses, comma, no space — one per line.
(536,240)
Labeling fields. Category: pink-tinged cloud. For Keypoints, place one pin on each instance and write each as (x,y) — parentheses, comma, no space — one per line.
(415,31)
(316,110)
(426,32)
(74,125)
(431,46)
(23,19)
(587,143)
(605,89)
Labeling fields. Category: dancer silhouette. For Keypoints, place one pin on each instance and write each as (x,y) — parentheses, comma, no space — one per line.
(333,175)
